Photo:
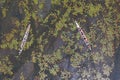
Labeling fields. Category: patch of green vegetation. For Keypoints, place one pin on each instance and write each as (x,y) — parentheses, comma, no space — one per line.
(22,77)
(94,10)
(6,66)
(65,75)
(76,60)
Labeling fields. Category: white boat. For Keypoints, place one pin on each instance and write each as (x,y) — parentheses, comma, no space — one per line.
(83,35)
(24,39)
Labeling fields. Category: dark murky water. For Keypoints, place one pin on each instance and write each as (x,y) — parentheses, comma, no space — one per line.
(115,75)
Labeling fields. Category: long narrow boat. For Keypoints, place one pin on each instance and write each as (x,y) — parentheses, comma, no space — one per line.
(24,39)
(83,35)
